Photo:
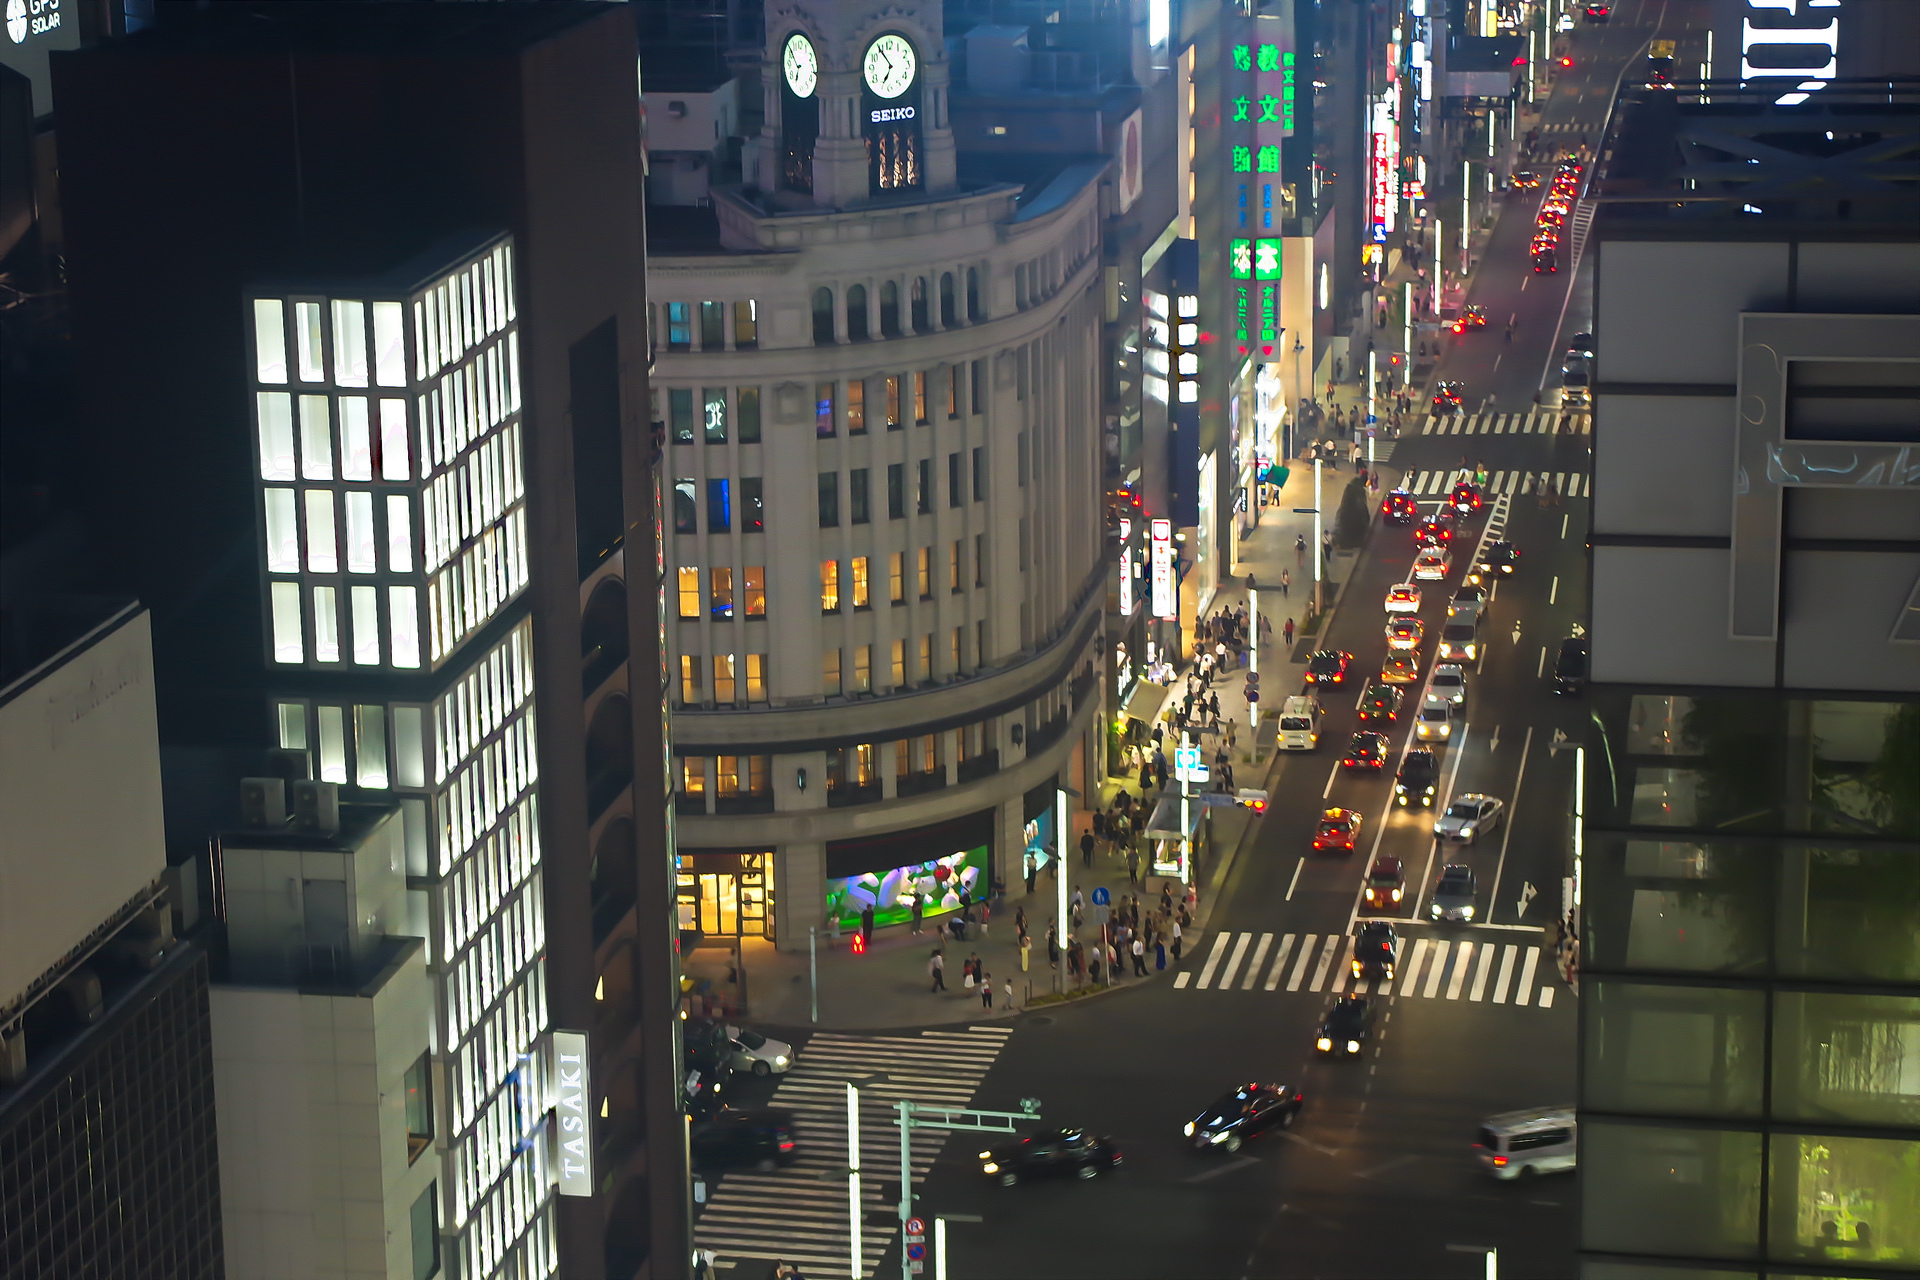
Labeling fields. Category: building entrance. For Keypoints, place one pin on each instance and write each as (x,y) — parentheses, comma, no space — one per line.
(726,894)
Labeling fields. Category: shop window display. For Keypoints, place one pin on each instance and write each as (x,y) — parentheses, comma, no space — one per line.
(937,882)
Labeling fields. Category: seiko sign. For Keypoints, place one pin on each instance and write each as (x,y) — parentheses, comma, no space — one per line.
(572,1111)
(885,114)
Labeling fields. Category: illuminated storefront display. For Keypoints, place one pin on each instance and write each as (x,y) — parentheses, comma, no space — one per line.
(937,883)
(1260,115)
(1384,192)
(1163,603)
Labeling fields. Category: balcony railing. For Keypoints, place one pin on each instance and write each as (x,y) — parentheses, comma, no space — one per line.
(980,766)
(913,784)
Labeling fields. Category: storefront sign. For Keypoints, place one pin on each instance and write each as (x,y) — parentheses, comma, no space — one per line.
(1162,601)
(1126,581)
(1385,166)
(1188,766)
(572,1110)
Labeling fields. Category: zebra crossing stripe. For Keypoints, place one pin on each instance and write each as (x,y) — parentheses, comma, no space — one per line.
(1326,959)
(1181,979)
(1253,965)
(1279,962)
(1480,973)
(1233,965)
(1410,981)
(1546,997)
(1526,976)
(1506,976)
(1213,960)
(1438,969)
(1300,969)
(1462,961)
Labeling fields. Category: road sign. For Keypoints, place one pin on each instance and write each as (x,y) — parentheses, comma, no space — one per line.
(1101,895)
(1187,765)
(916,1226)
(1253,693)
(916,1252)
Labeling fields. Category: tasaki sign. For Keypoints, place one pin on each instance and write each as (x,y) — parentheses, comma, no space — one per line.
(572,1113)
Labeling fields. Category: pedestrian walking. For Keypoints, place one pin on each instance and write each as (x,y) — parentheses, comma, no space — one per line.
(986,991)
(1300,548)
(1286,583)
(1006,994)
(1086,849)
(833,929)
(1031,868)
(919,912)
(1053,946)
(937,967)
(1139,950)
(1178,938)
(1133,867)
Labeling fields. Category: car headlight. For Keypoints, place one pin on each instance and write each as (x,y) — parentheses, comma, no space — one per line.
(1445,729)
(1356,967)
(986,1155)
(1219,1136)
(1436,911)
(1401,797)
(1353,1046)
(1467,912)
(779,1059)
(1189,1129)
(1396,898)
(1466,829)
(1323,1044)
(989,1167)
(1430,787)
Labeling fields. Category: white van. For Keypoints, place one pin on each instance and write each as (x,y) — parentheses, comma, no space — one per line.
(1300,723)
(1524,1143)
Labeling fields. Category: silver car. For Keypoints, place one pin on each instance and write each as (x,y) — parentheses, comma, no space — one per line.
(754,1052)
(1449,682)
(1453,895)
(1470,816)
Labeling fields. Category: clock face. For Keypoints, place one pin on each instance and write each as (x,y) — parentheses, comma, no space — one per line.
(889,66)
(801,66)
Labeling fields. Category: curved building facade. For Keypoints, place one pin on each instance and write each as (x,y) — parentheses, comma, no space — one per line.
(884,566)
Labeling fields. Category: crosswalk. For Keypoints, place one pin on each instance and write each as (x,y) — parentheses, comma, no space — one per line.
(799,1213)
(1438,484)
(1432,968)
(1547,422)
(1567,126)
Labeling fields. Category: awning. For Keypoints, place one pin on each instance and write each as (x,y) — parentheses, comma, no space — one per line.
(1165,823)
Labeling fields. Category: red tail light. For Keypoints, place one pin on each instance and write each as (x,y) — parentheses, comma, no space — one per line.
(786,1144)
(1499,1161)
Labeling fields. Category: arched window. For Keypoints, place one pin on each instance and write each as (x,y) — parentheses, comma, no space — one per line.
(974,314)
(947,317)
(889,310)
(823,317)
(603,633)
(609,753)
(921,322)
(856,313)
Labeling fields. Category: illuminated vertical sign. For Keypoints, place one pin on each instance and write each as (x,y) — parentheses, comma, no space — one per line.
(1259,117)
(1126,568)
(1384,188)
(572,1111)
(1162,600)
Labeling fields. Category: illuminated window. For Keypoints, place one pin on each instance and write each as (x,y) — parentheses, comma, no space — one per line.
(326,624)
(333,745)
(746,325)
(689,679)
(823,409)
(899,664)
(830,673)
(726,776)
(953,566)
(759,775)
(293,726)
(896,577)
(276,435)
(283,532)
(269,340)
(358,505)
(893,402)
(954,658)
(920,398)
(393,442)
(693,775)
(321,554)
(686,518)
(863,668)
(723,679)
(403,627)
(307,342)
(829,586)
(720,591)
(755,585)
(389,344)
(399,533)
(365,606)
(417,1086)
(860,597)
(349,343)
(756,677)
(953,391)
(679,326)
(287,643)
(923,576)
(713,414)
(856,408)
(926,657)
(316,439)
(370,747)
(689,580)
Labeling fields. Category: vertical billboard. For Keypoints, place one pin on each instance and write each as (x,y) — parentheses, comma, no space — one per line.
(1162,601)
(572,1101)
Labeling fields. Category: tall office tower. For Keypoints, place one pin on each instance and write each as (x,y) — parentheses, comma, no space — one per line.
(359,291)
(107,1155)
(1747,878)
(879,382)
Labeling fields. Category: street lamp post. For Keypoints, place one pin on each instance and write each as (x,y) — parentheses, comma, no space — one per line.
(1061,924)
(1186,845)
(854,1268)
(1317,556)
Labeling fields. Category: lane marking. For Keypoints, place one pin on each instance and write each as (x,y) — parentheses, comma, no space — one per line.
(1326,959)
(1563,524)
(1506,974)
(1253,965)
(1500,868)
(1213,959)
(1539,670)
(1462,961)
(1279,962)
(1409,983)
(1480,972)
(1526,977)
(1233,965)
(1437,970)
(1303,861)
(1181,979)
(1306,957)
(1346,967)
(1546,997)
(1553,596)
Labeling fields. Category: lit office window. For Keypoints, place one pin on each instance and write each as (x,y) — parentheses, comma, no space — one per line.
(409,746)
(756,677)
(321,555)
(326,624)
(307,342)
(746,325)
(283,533)
(896,577)
(926,655)
(856,408)
(403,626)
(713,414)
(756,591)
(860,598)
(399,533)
(366,625)
(720,591)
(293,725)
(370,747)
(899,664)
(723,679)
(689,592)
(276,435)
(389,344)
(689,679)
(349,343)
(693,775)
(287,644)
(920,398)
(823,409)
(893,402)
(316,439)
(356,442)
(333,745)
(923,576)
(953,566)
(269,340)
(829,586)
(359,510)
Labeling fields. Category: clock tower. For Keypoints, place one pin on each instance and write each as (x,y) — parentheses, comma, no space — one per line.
(856,106)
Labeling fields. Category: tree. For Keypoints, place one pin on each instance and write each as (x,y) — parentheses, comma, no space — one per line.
(1350,525)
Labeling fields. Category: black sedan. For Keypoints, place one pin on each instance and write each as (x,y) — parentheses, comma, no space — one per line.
(1328,666)
(1050,1152)
(746,1137)
(1446,397)
(1348,1025)
(1368,750)
(1498,560)
(1243,1115)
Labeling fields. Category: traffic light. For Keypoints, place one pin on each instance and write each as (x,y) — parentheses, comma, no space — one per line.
(860,943)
